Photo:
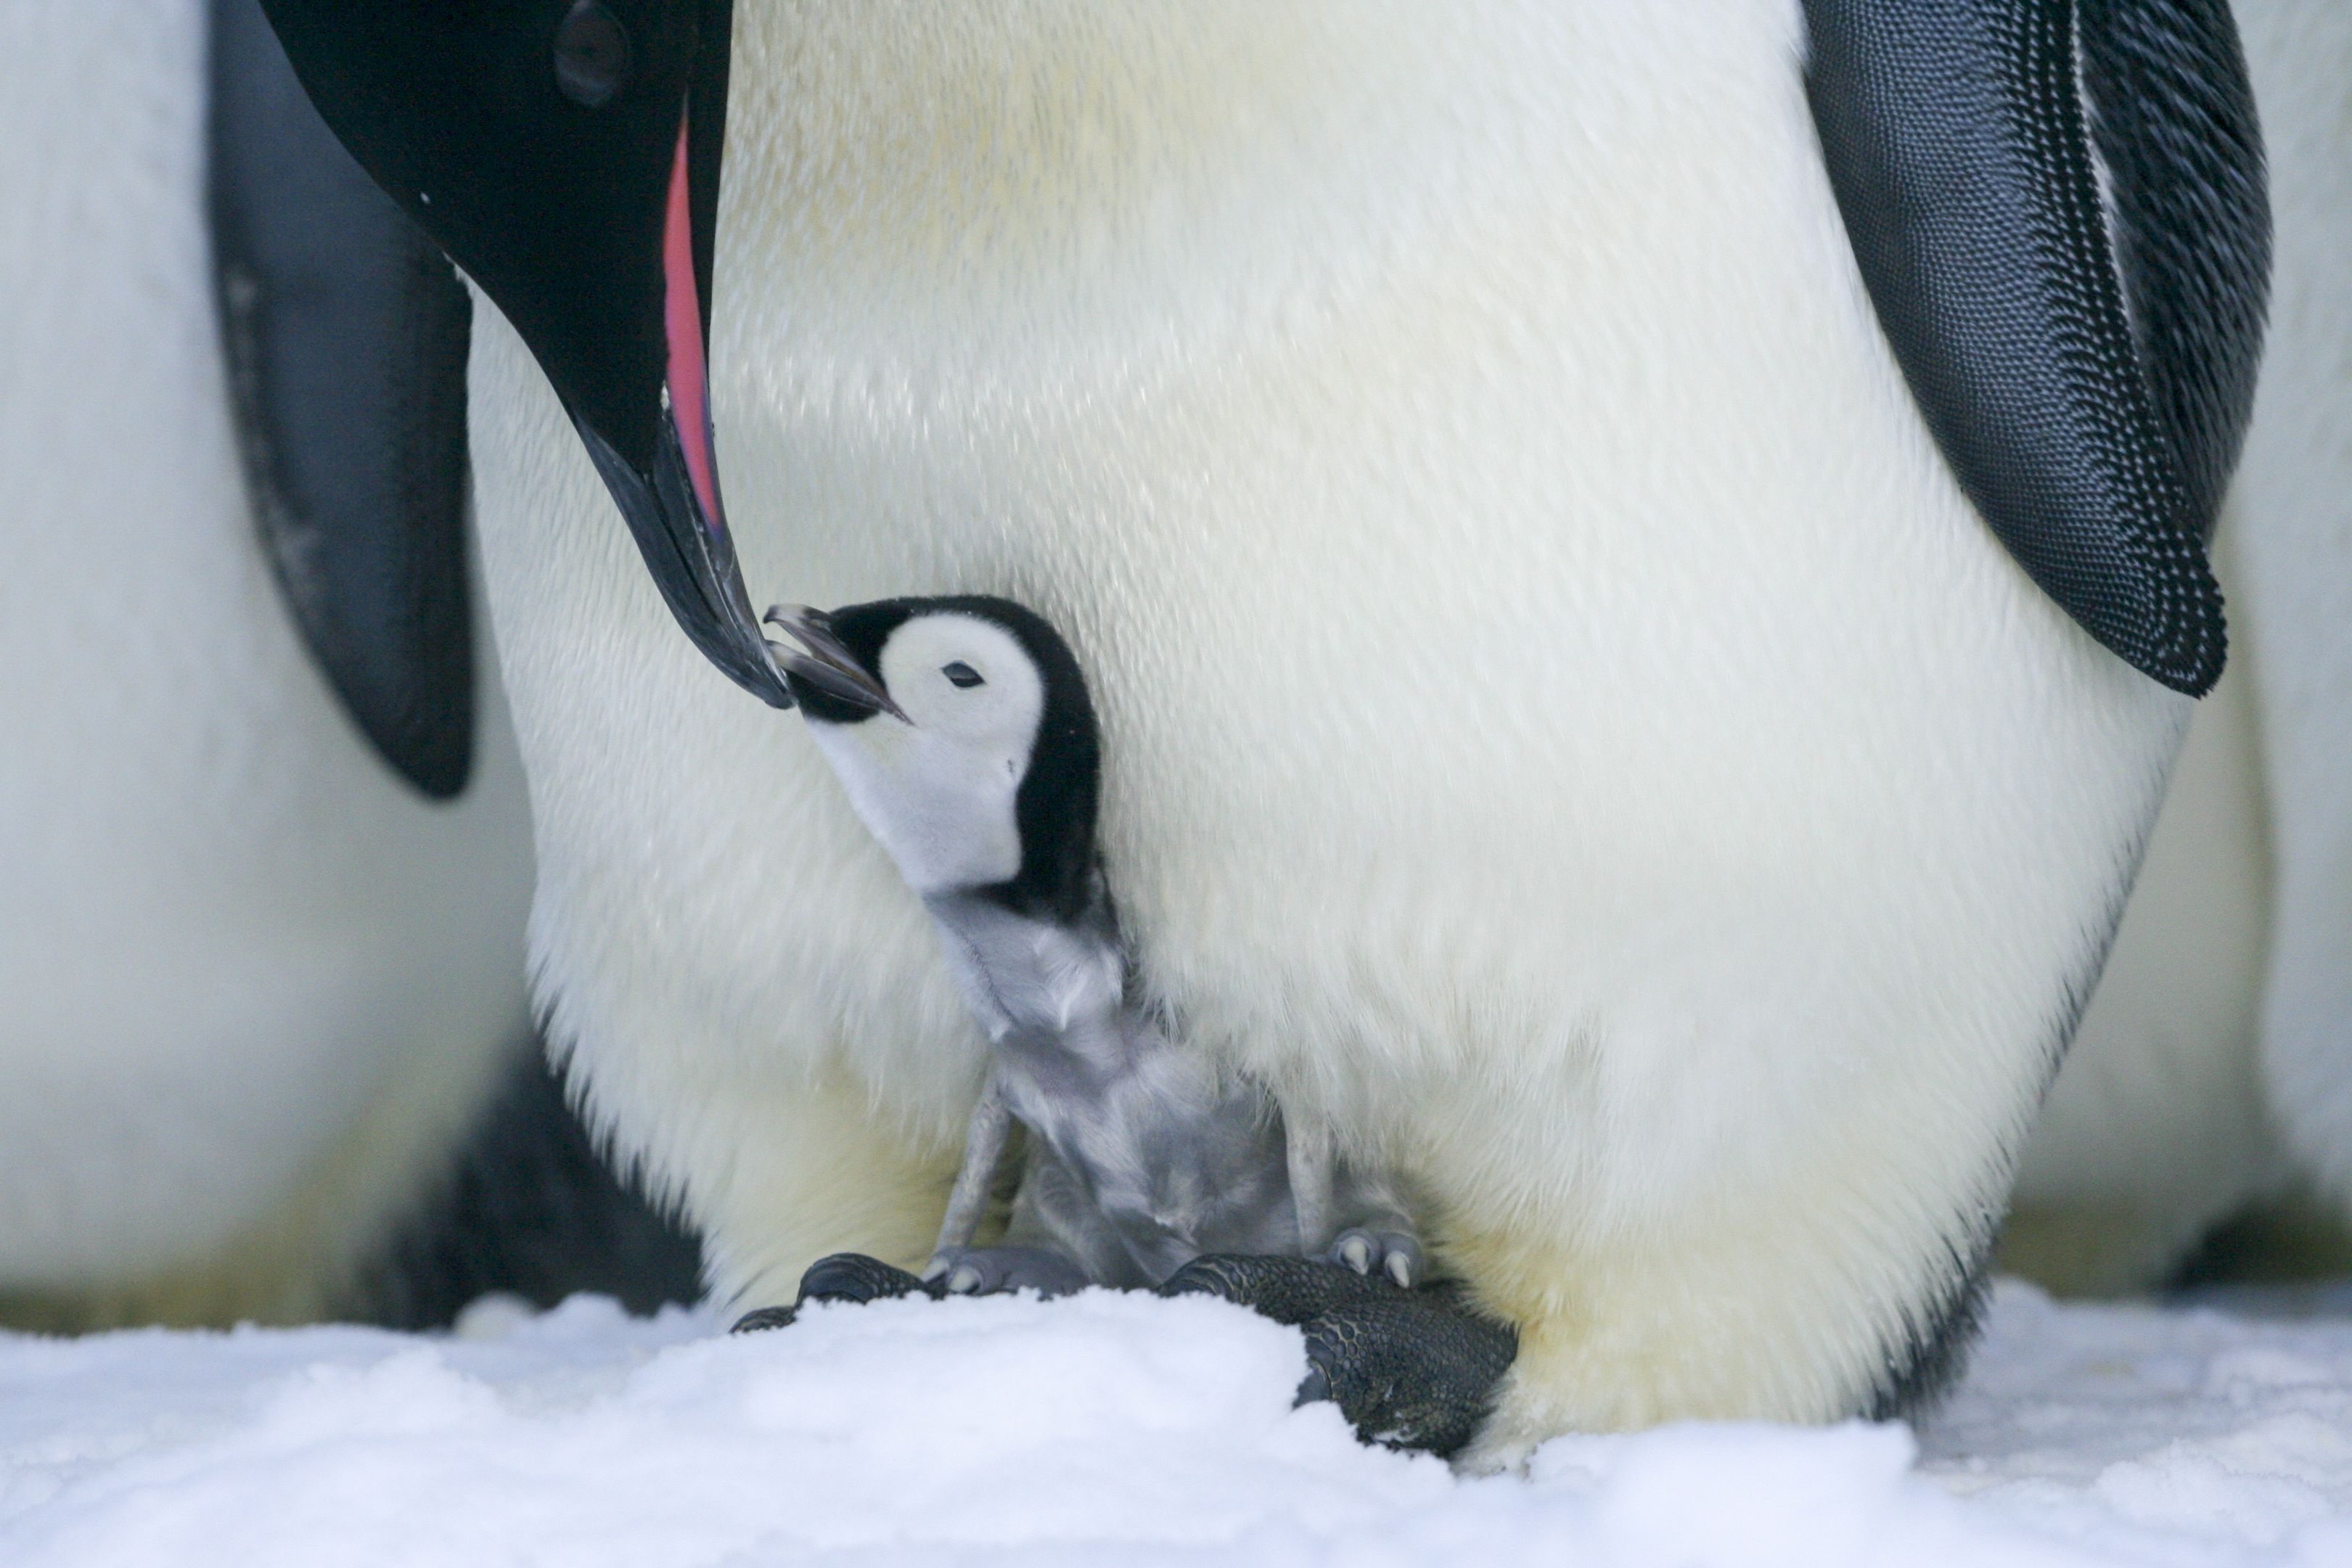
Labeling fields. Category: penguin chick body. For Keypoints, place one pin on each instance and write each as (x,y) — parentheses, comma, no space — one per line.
(965,734)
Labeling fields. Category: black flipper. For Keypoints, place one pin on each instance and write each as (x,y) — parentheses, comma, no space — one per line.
(2060,211)
(1410,1369)
(346,335)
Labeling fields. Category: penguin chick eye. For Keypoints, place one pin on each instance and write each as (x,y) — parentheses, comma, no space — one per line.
(592,55)
(962,675)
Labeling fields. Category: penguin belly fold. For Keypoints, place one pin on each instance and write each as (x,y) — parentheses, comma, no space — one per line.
(1565,727)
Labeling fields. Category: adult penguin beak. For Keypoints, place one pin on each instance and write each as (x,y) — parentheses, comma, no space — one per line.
(825,662)
(673,510)
(566,155)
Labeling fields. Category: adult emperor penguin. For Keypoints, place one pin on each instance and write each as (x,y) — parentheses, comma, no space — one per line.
(1639,564)
(2294,506)
(265,1049)
(2209,1072)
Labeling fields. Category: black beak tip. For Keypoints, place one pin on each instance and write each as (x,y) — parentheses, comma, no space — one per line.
(692,561)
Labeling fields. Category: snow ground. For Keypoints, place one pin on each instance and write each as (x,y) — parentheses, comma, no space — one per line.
(1120,1428)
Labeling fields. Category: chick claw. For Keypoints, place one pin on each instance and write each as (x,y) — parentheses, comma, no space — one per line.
(993,1270)
(1384,1252)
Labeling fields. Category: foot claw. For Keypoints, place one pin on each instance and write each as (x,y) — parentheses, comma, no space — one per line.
(761,1318)
(854,1277)
(1388,1253)
(844,1277)
(994,1270)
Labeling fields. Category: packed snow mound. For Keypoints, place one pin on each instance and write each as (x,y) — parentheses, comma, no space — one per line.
(1110,1428)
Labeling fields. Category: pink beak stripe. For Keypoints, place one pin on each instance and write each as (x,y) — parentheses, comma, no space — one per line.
(688,370)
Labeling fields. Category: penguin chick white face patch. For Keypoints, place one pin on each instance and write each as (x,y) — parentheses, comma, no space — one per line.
(941,792)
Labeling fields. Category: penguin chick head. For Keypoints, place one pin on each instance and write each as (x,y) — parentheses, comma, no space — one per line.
(963,733)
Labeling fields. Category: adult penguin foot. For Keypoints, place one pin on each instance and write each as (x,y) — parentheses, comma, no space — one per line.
(842,1277)
(1410,1369)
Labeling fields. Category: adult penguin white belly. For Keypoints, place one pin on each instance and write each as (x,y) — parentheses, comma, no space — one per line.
(1569,722)
(260,966)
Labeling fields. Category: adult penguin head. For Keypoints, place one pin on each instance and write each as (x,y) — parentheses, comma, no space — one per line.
(566,155)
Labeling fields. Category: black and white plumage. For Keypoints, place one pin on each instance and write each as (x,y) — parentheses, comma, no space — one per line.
(2060,212)
(1675,826)
(265,1052)
(2217,1034)
(962,729)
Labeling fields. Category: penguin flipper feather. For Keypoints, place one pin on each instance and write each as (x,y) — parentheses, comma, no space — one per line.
(2060,212)
(346,335)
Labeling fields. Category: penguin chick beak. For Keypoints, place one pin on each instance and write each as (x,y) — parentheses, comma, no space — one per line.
(823,662)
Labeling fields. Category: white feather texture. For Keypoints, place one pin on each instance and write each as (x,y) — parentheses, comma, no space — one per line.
(1564,728)
(2294,494)
(2155,1130)
(251,985)
(2224,1018)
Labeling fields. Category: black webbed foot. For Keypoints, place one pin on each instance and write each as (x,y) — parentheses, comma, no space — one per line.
(844,1277)
(1410,1369)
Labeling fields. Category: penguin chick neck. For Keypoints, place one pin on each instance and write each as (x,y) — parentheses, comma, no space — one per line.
(963,733)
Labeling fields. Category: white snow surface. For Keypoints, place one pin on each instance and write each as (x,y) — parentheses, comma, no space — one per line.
(1122,1428)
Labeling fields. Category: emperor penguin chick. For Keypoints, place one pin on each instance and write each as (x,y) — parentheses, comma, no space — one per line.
(964,732)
